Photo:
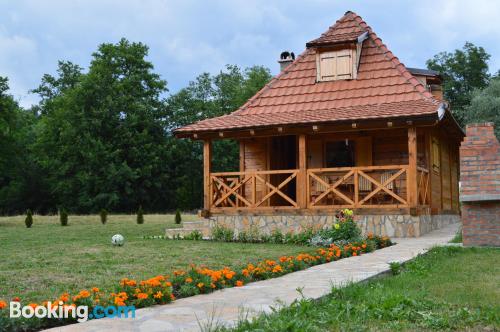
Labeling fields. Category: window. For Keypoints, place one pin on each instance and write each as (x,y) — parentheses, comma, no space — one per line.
(435,155)
(335,65)
(339,154)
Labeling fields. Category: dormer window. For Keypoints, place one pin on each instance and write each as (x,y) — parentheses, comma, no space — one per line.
(335,65)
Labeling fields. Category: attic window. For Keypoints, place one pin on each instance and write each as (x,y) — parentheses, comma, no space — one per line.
(336,65)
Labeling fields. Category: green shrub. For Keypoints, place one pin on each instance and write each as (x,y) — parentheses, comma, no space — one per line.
(194,235)
(140,215)
(178,218)
(243,237)
(395,268)
(104,216)
(253,234)
(222,233)
(63,217)
(29,219)
(277,236)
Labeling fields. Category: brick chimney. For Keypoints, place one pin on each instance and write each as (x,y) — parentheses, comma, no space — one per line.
(480,186)
(286,58)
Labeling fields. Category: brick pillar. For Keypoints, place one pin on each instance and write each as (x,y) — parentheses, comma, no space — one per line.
(480,186)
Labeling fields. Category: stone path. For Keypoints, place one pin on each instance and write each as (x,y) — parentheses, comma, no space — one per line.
(226,306)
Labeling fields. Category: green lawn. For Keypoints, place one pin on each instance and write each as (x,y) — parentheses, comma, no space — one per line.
(447,289)
(42,262)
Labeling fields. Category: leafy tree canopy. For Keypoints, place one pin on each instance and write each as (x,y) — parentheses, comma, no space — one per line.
(463,71)
(485,106)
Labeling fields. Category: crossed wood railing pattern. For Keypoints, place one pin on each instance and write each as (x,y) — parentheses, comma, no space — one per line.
(241,189)
(423,179)
(355,187)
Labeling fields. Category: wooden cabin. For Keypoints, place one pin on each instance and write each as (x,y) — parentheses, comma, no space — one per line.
(344,125)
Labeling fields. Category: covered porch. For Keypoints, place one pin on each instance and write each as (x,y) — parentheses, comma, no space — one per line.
(315,172)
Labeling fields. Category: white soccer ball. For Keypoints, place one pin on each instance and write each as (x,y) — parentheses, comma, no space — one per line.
(117,240)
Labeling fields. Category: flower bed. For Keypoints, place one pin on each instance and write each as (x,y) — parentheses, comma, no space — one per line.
(164,289)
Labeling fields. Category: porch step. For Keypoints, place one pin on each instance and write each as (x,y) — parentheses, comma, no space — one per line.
(193,225)
(188,227)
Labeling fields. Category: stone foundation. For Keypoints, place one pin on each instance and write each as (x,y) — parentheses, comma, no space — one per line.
(388,225)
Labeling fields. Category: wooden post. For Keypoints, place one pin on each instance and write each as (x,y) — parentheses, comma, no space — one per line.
(207,165)
(412,169)
(302,175)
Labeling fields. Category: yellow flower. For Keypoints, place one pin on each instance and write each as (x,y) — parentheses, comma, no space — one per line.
(337,226)
(158,295)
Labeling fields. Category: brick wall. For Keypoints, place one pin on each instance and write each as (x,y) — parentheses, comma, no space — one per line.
(480,186)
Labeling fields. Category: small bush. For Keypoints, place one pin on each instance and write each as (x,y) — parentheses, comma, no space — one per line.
(104,216)
(194,235)
(222,233)
(140,215)
(395,268)
(178,218)
(29,219)
(277,236)
(243,237)
(63,217)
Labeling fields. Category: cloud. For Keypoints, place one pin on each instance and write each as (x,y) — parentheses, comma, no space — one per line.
(189,37)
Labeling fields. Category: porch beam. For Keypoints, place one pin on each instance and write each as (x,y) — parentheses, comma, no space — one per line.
(302,175)
(207,167)
(412,169)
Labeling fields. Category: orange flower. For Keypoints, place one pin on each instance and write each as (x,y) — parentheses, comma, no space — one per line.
(158,295)
(212,285)
(363,246)
(168,284)
(95,289)
(189,280)
(119,302)
(200,285)
(172,297)
(33,305)
(142,296)
(245,272)
(3,304)
(239,283)
(84,293)
(277,269)
(354,253)
(64,297)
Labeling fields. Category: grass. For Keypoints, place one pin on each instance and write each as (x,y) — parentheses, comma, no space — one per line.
(46,260)
(449,288)
(458,237)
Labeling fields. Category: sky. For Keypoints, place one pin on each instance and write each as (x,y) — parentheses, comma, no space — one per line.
(188,37)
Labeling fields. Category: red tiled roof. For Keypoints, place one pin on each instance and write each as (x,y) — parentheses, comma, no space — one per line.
(384,88)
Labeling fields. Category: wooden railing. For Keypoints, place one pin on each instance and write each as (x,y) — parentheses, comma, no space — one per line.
(358,187)
(423,188)
(250,190)
(342,187)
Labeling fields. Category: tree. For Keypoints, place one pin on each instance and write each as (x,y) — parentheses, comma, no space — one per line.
(140,216)
(205,97)
(463,71)
(22,184)
(29,219)
(485,106)
(102,140)
(178,218)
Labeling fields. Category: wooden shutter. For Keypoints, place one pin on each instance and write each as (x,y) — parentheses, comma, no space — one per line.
(344,64)
(327,66)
